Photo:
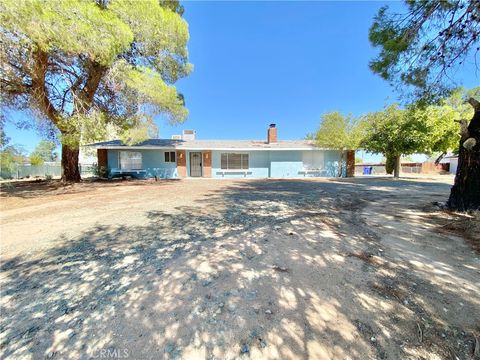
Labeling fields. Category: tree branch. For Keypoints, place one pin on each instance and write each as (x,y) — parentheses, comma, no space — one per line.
(474,126)
(475,104)
(95,75)
(40,91)
(463,129)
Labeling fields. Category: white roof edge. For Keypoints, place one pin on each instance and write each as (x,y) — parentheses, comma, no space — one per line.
(124,147)
(114,147)
(251,149)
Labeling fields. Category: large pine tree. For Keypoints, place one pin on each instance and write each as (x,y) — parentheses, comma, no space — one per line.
(419,51)
(82,67)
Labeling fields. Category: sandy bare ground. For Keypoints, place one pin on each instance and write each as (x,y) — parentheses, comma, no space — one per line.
(320,269)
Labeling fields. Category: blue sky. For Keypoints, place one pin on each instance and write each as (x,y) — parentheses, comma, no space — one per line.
(258,63)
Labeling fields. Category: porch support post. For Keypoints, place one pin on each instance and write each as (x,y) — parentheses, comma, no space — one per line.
(207,164)
(102,159)
(181,163)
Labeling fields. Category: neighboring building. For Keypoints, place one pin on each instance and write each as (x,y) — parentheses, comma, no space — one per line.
(452,161)
(184,156)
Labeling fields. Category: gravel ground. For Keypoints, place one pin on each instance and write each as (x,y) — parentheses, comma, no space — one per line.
(208,269)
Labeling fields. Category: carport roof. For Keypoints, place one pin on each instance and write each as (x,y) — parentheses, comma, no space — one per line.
(244,145)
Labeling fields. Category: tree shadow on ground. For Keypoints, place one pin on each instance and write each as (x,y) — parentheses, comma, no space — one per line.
(272,269)
(31,189)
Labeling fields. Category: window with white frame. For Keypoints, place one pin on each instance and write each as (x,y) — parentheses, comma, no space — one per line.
(170,156)
(130,160)
(234,161)
(313,160)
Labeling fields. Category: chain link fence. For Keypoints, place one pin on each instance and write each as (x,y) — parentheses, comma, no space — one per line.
(47,170)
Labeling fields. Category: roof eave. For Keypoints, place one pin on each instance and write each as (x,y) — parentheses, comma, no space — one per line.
(153,147)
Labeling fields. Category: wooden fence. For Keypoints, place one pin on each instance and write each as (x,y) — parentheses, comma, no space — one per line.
(407,168)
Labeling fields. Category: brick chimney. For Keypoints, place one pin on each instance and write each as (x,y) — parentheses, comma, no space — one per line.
(272,134)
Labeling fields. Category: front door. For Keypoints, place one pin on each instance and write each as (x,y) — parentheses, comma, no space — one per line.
(196,164)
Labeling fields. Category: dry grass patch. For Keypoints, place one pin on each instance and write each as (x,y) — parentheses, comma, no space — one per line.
(465,225)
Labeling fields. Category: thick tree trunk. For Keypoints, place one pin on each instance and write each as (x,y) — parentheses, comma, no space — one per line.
(70,169)
(465,192)
(396,171)
(389,163)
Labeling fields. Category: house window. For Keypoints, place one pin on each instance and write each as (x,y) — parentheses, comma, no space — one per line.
(170,156)
(130,160)
(233,161)
(313,160)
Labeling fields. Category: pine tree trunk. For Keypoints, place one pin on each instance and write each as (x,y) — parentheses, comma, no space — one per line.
(396,171)
(465,192)
(70,169)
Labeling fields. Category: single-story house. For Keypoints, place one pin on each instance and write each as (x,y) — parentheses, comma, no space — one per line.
(185,156)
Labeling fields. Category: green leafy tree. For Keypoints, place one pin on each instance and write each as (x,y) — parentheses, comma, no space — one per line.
(338,131)
(442,120)
(420,51)
(45,151)
(35,160)
(393,132)
(82,67)
(4,139)
(10,156)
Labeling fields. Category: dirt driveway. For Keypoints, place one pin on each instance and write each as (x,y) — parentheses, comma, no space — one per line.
(320,269)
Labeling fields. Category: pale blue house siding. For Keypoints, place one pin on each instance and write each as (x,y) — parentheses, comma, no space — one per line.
(258,161)
(286,164)
(262,164)
(292,164)
(280,164)
(331,163)
(153,163)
